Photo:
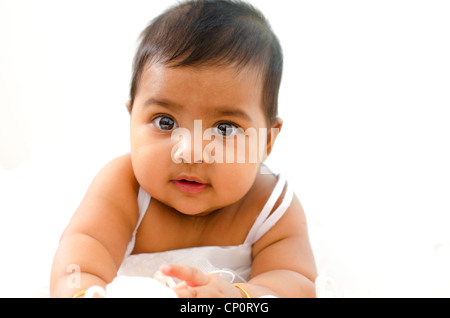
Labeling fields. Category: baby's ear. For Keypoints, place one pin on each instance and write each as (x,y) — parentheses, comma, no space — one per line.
(128,104)
(273,133)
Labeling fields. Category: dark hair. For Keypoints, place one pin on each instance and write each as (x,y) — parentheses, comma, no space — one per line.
(213,32)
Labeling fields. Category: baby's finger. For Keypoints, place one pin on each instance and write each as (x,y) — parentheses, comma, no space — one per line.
(191,275)
(186,292)
(194,292)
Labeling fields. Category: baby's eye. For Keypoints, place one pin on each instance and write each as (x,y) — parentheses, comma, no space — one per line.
(165,123)
(226,129)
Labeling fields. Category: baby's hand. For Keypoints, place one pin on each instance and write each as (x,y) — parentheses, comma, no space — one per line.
(197,284)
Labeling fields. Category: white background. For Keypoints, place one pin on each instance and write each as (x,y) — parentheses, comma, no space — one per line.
(366,142)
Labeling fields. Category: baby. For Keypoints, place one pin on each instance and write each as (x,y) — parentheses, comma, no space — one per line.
(191,200)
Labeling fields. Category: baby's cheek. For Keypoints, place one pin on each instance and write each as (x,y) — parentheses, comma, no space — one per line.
(235,180)
(150,166)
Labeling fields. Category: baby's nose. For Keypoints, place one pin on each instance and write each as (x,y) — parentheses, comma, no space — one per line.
(184,153)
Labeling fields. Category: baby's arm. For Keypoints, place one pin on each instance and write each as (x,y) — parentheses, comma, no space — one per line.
(283,263)
(97,236)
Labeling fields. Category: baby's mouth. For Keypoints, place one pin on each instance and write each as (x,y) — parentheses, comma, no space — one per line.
(190,186)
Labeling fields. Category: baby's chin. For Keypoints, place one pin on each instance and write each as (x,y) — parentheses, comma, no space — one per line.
(195,211)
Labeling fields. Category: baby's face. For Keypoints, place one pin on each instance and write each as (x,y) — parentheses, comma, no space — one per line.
(181,121)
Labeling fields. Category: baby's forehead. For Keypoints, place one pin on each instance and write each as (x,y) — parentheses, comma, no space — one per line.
(227,73)
(205,80)
(223,90)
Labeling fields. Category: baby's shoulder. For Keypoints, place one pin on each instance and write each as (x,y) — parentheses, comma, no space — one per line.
(116,181)
(120,169)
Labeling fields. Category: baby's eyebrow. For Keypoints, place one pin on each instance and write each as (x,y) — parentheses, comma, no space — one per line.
(234,112)
(161,103)
(217,111)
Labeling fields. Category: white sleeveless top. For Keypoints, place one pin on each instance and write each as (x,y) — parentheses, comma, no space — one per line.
(230,262)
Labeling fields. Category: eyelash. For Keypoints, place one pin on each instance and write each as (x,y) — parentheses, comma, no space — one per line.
(235,128)
(155,118)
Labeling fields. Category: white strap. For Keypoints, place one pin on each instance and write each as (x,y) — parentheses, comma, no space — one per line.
(143,203)
(276,215)
(264,222)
